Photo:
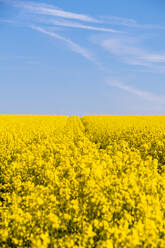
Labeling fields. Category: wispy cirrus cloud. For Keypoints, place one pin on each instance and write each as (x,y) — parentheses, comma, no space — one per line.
(128,51)
(62,18)
(79,26)
(46,9)
(72,45)
(51,10)
(160,100)
(128,22)
(154,58)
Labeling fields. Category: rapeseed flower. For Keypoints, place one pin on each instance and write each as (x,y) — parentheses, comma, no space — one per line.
(95,181)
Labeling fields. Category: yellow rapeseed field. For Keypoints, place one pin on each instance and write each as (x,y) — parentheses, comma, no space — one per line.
(95,181)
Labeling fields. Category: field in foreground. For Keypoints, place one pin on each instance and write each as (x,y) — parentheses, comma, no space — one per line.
(95,181)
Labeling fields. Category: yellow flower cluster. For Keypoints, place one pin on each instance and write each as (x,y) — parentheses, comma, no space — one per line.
(95,181)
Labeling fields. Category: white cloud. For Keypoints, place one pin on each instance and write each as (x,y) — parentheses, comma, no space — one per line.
(143,94)
(46,9)
(128,51)
(128,22)
(115,20)
(155,58)
(51,10)
(81,26)
(72,45)
(121,46)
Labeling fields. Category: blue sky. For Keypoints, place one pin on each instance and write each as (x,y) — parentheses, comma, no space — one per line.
(82,57)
